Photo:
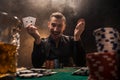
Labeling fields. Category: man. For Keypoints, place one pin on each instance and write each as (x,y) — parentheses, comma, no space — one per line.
(58,46)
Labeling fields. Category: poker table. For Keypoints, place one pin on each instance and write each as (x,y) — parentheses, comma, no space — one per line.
(62,74)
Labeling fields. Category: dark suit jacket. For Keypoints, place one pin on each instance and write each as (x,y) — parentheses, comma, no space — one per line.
(67,48)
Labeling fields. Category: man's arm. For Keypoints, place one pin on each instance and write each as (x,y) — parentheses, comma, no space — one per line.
(79,52)
(79,55)
(38,55)
(33,31)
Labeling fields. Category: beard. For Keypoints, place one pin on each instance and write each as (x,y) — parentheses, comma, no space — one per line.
(55,34)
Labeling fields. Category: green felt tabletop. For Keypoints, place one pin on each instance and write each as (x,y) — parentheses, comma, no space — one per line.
(63,74)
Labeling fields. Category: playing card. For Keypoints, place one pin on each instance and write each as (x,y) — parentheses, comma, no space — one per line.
(28,20)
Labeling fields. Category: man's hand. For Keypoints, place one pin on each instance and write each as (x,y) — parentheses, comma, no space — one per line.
(79,29)
(33,31)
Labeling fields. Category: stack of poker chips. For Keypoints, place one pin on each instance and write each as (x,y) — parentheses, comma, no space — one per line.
(49,64)
(102,66)
(107,39)
(53,64)
(34,72)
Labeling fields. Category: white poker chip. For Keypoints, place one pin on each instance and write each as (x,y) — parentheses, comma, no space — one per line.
(84,71)
(40,75)
(53,72)
(25,71)
(37,69)
(28,75)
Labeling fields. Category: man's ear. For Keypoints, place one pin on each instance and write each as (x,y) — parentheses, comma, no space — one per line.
(48,24)
(64,26)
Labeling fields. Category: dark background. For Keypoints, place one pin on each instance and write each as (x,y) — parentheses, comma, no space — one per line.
(97,13)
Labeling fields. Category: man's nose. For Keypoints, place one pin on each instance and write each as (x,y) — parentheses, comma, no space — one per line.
(56,28)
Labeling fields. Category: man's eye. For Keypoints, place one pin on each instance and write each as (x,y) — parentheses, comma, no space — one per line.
(53,24)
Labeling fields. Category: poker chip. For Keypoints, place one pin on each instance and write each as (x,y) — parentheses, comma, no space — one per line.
(40,75)
(28,75)
(83,71)
(53,72)
(107,39)
(38,70)
(25,71)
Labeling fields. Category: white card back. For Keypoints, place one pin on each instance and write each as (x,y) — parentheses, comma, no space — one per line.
(28,20)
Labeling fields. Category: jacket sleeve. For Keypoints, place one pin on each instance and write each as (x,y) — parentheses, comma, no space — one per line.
(79,54)
(38,55)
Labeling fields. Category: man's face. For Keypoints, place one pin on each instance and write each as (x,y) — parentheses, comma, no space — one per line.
(56,27)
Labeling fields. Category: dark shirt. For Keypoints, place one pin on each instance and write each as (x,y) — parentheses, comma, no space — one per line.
(67,48)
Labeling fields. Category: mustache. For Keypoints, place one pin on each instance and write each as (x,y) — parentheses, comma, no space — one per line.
(55,32)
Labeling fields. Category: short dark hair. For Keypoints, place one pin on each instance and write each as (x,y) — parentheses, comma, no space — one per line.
(58,15)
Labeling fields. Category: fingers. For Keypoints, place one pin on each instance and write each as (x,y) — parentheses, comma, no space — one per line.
(81,20)
(31,28)
(80,24)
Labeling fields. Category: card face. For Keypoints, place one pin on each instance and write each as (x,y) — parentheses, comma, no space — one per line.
(28,20)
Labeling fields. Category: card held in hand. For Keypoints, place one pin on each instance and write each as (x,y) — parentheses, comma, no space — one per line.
(28,20)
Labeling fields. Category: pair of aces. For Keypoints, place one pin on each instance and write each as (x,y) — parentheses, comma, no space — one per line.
(28,20)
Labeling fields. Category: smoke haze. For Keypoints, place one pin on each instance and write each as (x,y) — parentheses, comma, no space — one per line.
(97,13)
